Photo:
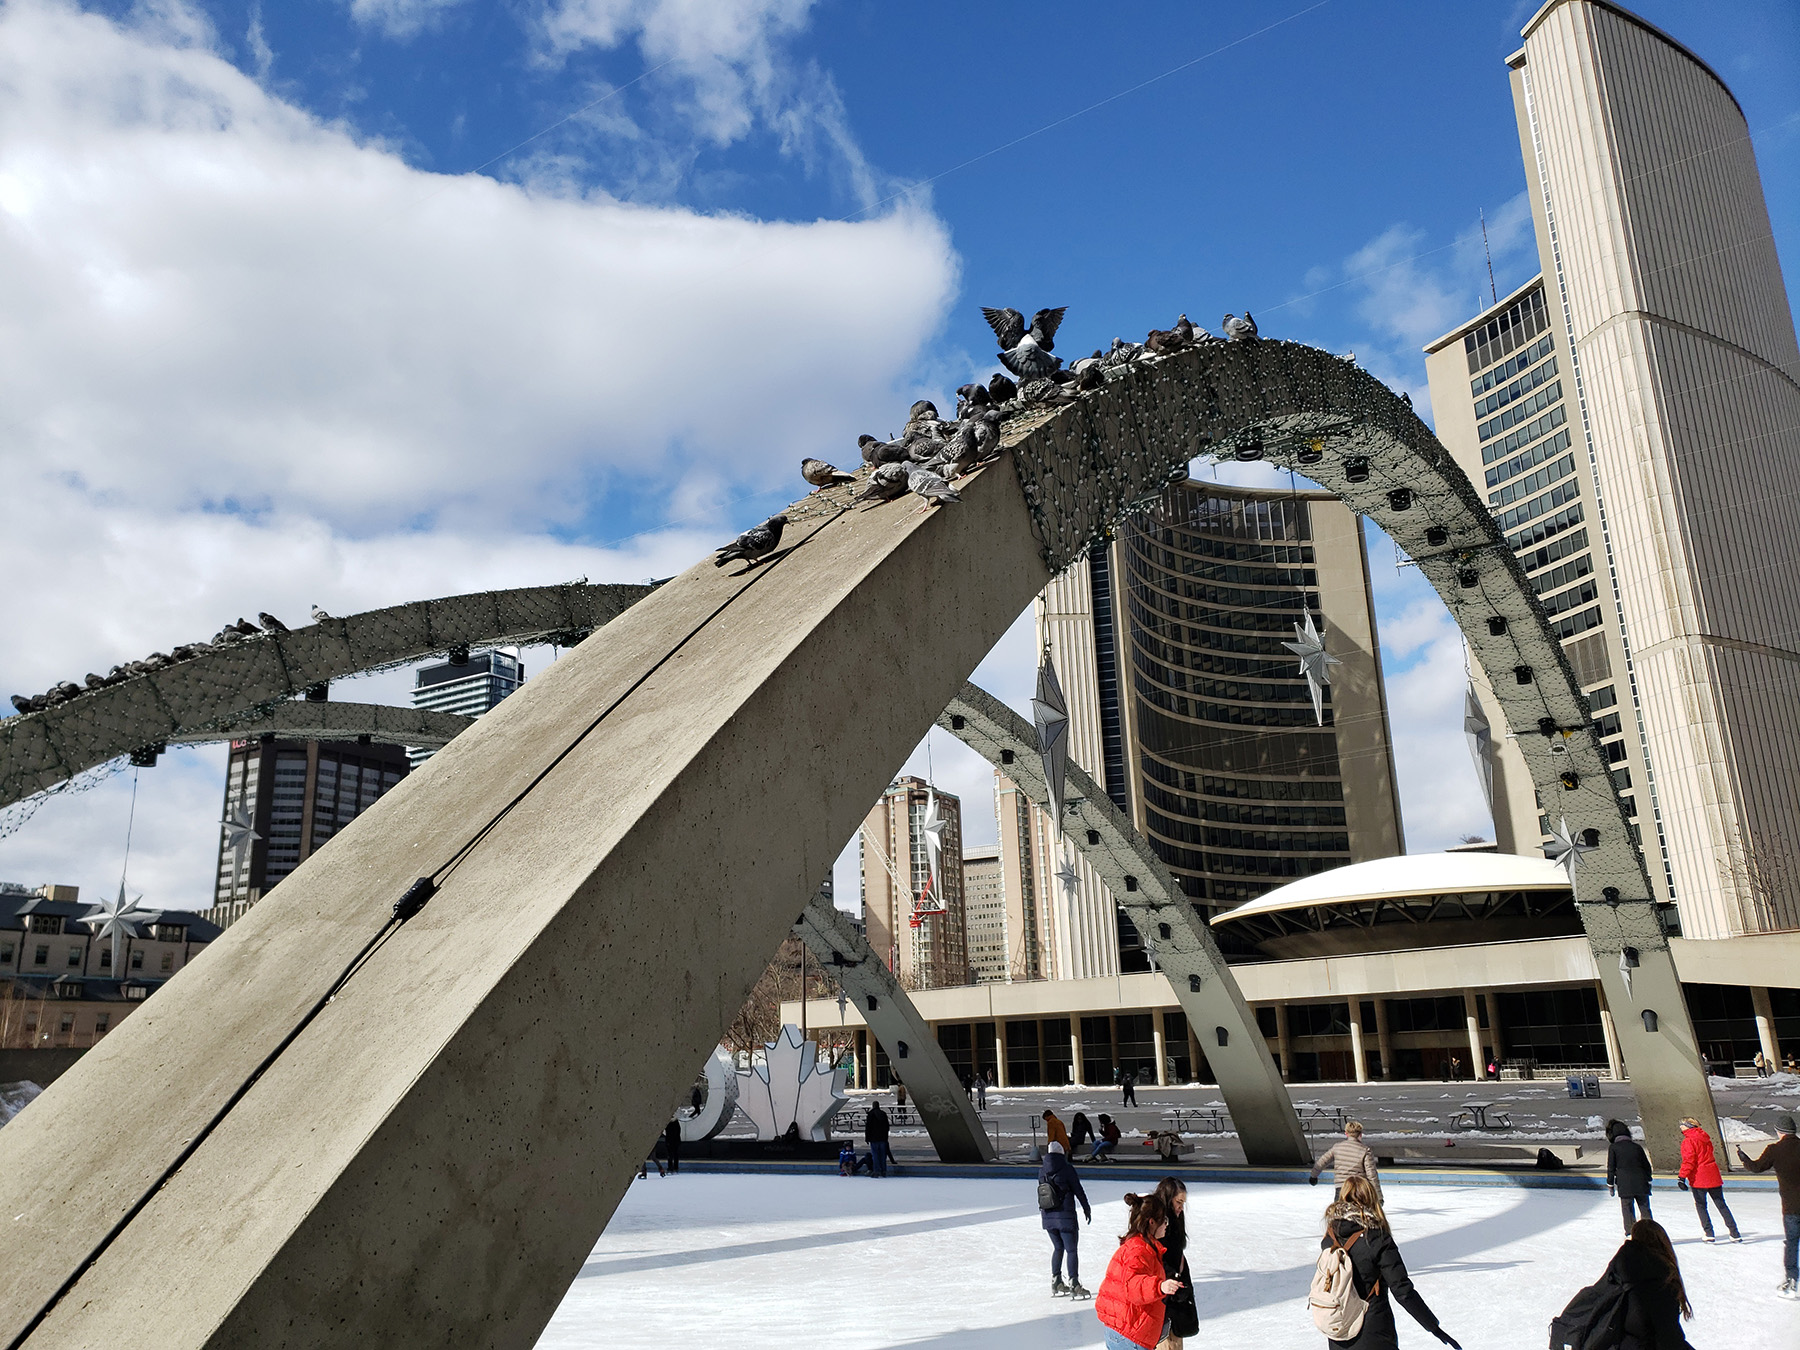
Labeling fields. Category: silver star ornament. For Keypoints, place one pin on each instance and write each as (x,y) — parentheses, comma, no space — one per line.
(239,835)
(1050,712)
(1315,663)
(117,919)
(932,827)
(1066,875)
(1565,850)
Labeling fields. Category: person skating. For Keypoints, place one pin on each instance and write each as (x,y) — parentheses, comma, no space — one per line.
(1064,1190)
(1105,1141)
(875,1134)
(1784,1156)
(1130,1302)
(1179,1307)
(1347,1158)
(1655,1299)
(1356,1223)
(672,1145)
(1128,1084)
(1627,1173)
(1700,1170)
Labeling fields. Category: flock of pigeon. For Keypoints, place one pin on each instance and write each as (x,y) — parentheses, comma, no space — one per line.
(231,633)
(932,455)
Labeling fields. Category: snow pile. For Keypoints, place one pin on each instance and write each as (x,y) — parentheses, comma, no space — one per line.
(15,1097)
(1737,1132)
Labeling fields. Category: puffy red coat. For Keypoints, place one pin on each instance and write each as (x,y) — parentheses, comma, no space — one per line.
(1697,1163)
(1130,1300)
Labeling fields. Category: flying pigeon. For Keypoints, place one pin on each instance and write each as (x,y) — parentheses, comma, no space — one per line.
(754,544)
(116,919)
(1240,330)
(1050,714)
(319,615)
(881,452)
(1001,389)
(822,475)
(271,623)
(1565,850)
(1315,663)
(1026,352)
(931,486)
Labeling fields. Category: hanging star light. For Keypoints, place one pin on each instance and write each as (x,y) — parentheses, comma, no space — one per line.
(1315,663)
(1050,711)
(239,835)
(117,919)
(1565,850)
(932,827)
(1481,743)
(1626,966)
(1066,875)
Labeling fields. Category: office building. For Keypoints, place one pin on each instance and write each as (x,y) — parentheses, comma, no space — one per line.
(984,909)
(1632,415)
(469,687)
(916,922)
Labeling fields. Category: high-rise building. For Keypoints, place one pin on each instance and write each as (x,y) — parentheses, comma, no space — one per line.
(916,922)
(298,794)
(1632,415)
(1184,704)
(1024,831)
(469,687)
(984,910)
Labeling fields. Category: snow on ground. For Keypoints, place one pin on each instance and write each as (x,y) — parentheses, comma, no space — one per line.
(961,1264)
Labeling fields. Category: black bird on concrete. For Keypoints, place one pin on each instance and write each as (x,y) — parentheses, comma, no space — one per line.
(881,452)
(1026,352)
(271,623)
(822,475)
(971,398)
(754,544)
(1001,389)
(247,629)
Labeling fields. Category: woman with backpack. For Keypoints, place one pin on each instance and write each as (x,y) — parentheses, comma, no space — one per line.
(1360,1276)
(1058,1190)
(1131,1297)
(1179,1307)
(1627,1172)
(1637,1305)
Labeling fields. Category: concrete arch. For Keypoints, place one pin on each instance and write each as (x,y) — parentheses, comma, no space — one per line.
(187,698)
(1261,1110)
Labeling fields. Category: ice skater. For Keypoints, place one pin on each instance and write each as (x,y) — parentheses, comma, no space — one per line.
(1347,1158)
(1131,1300)
(672,1145)
(1627,1173)
(1700,1171)
(875,1134)
(1179,1308)
(1356,1224)
(1128,1086)
(1784,1156)
(1059,1188)
(1656,1301)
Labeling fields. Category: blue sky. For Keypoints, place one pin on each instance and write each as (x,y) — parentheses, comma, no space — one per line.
(351,303)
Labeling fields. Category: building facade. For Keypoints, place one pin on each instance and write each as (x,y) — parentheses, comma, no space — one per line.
(984,908)
(916,922)
(468,688)
(1655,512)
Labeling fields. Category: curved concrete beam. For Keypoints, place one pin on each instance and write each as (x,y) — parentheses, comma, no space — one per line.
(949,1117)
(184,700)
(1261,1110)
(304,720)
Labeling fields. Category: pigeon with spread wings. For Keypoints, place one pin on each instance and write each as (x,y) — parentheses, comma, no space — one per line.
(1026,352)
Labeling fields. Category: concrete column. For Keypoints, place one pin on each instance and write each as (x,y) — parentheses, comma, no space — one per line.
(1075,1051)
(1472,1016)
(1193,1052)
(1162,1059)
(1615,1064)
(865,1054)
(1281,1042)
(1495,1031)
(1383,1041)
(1356,1045)
(1000,1053)
(1765,1025)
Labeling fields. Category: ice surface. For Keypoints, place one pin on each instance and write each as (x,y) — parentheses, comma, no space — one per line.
(950,1264)
(15,1097)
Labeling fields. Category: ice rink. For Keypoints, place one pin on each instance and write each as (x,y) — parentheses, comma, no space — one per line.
(952,1264)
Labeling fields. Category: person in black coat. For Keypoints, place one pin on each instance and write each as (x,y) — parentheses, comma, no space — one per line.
(1627,1172)
(1356,1222)
(1655,1298)
(1059,1223)
(1081,1130)
(1183,1313)
(672,1145)
(875,1133)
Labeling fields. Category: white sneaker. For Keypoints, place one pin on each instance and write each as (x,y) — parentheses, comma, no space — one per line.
(1707,1238)
(1787,1290)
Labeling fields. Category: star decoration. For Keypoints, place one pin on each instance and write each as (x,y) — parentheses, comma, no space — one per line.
(1315,663)
(1565,850)
(117,919)
(1481,743)
(932,827)
(1625,967)
(1050,711)
(1066,875)
(239,835)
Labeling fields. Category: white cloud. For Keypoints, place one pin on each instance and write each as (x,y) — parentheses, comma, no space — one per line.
(402,18)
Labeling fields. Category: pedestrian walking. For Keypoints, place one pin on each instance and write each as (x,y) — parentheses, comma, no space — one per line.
(899,1095)
(968,1082)
(1055,1132)
(1130,1303)
(1762,1065)
(1455,1067)
(1128,1085)
(1356,1225)
(672,1145)
(1106,1140)
(980,1093)
(1784,1157)
(1627,1173)
(875,1134)
(1700,1171)
(1179,1308)
(1059,1189)
(1638,1304)
(1347,1158)
(1081,1131)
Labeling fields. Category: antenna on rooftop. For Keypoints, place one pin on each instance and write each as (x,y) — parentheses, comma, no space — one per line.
(1492,293)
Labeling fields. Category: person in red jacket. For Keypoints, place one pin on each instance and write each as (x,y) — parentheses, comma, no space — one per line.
(1130,1301)
(1700,1171)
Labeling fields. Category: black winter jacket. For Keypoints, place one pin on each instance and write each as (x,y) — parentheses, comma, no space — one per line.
(1058,1170)
(1628,1168)
(875,1129)
(1376,1258)
(1183,1314)
(1652,1313)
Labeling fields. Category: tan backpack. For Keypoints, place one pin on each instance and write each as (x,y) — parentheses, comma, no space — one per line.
(1337,1309)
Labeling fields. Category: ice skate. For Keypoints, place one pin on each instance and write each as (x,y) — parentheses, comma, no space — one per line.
(1787,1290)
(1707,1238)
(1076,1291)
(1058,1288)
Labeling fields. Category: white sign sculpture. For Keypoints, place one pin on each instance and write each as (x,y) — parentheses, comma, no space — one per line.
(791,1088)
(719,1104)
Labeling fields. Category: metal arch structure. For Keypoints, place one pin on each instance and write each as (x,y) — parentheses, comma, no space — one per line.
(186,699)
(308,720)
(891,1017)
(354,1119)
(1261,1110)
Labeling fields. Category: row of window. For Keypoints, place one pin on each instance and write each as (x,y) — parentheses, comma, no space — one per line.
(1520,412)
(1234,550)
(1500,374)
(1293,691)
(1524,487)
(1517,389)
(1546,529)
(1564,601)
(1237,813)
(1168,560)
(1603,697)
(1209,661)
(1506,332)
(1566,491)
(1525,435)
(1262,841)
(1545,449)
(41,956)
(1562,576)
(1228,714)
(1211,594)
(1262,520)
(1244,789)
(1576,624)
(1277,626)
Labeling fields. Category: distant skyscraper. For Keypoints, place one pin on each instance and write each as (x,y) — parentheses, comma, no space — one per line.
(469,688)
(299,794)
(984,909)
(925,948)
(1632,416)
(1023,829)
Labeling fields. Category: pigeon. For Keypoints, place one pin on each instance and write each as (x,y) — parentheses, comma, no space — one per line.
(1090,376)
(931,486)
(94,681)
(319,615)
(1001,389)
(922,411)
(1164,341)
(754,544)
(24,704)
(972,398)
(1240,330)
(271,623)
(887,482)
(986,427)
(247,629)
(881,452)
(961,455)
(822,475)
(1026,352)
